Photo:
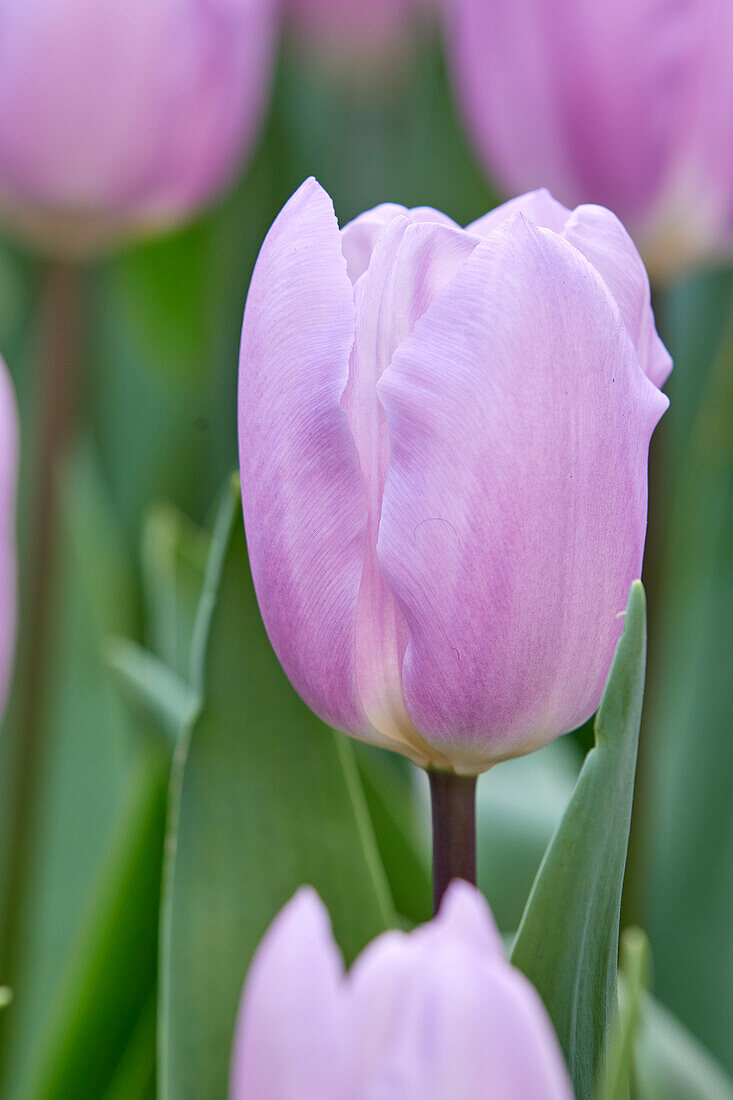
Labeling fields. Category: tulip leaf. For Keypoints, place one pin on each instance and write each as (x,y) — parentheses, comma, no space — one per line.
(567,943)
(617,1071)
(670,1063)
(262,804)
(111,975)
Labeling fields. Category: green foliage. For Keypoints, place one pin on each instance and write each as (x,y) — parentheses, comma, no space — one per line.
(567,943)
(265,799)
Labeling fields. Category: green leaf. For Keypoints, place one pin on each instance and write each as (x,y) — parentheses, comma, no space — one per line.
(567,943)
(111,975)
(267,799)
(85,759)
(401,828)
(166,700)
(670,1063)
(518,808)
(620,1056)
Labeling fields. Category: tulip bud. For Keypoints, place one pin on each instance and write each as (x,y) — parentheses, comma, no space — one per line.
(434,1015)
(124,116)
(8,474)
(627,103)
(443,438)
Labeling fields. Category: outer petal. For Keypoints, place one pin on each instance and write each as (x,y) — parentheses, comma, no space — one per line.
(514,512)
(547,101)
(292,1040)
(8,473)
(446,1016)
(602,239)
(302,489)
(539,207)
(380,979)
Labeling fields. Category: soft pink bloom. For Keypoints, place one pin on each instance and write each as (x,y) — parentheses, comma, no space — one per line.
(623,102)
(438,1014)
(350,29)
(443,441)
(124,115)
(8,475)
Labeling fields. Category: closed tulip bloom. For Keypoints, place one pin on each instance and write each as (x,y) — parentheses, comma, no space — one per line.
(434,1015)
(8,474)
(443,441)
(628,103)
(123,116)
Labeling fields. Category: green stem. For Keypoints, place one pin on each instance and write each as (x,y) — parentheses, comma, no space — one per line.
(453,800)
(57,363)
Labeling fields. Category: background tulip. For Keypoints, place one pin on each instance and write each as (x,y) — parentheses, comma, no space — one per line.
(443,446)
(627,103)
(8,472)
(352,27)
(124,115)
(437,1014)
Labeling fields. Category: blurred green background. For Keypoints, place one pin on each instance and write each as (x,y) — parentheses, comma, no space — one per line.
(152,443)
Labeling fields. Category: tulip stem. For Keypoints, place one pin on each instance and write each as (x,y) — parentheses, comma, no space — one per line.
(58,326)
(454,830)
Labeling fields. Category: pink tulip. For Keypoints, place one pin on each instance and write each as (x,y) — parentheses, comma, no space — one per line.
(355,30)
(443,441)
(624,102)
(435,1015)
(122,116)
(8,474)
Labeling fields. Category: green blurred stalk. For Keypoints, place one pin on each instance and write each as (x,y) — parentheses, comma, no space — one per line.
(58,359)
(98,1021)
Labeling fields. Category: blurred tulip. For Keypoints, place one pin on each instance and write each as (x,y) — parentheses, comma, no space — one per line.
(8,473)
(354,33)
(434,1015)
(628,103)
(443,441)
(124,116)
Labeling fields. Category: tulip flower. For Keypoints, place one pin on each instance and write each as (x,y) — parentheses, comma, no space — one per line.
(353,27)
(438,1014)
(627,103)
(8,473)
(443,439)
(124,116)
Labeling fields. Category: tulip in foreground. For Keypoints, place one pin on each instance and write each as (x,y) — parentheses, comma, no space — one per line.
(8,474)
(443,441)
(625,102)
(438,1014)
(124,116)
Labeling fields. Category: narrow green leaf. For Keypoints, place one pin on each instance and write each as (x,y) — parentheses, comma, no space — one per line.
(617,1073)
(567,943)
(262,804)
(166,699)
(112,971)
(670,1063)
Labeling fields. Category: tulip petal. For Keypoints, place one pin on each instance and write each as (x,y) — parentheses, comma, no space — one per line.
(358,237)
(410,265)
(602,239)
(466,1027)
(8,473)
(539,207)
(514,511)
(588,98)
(302,487)
(291,1037)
